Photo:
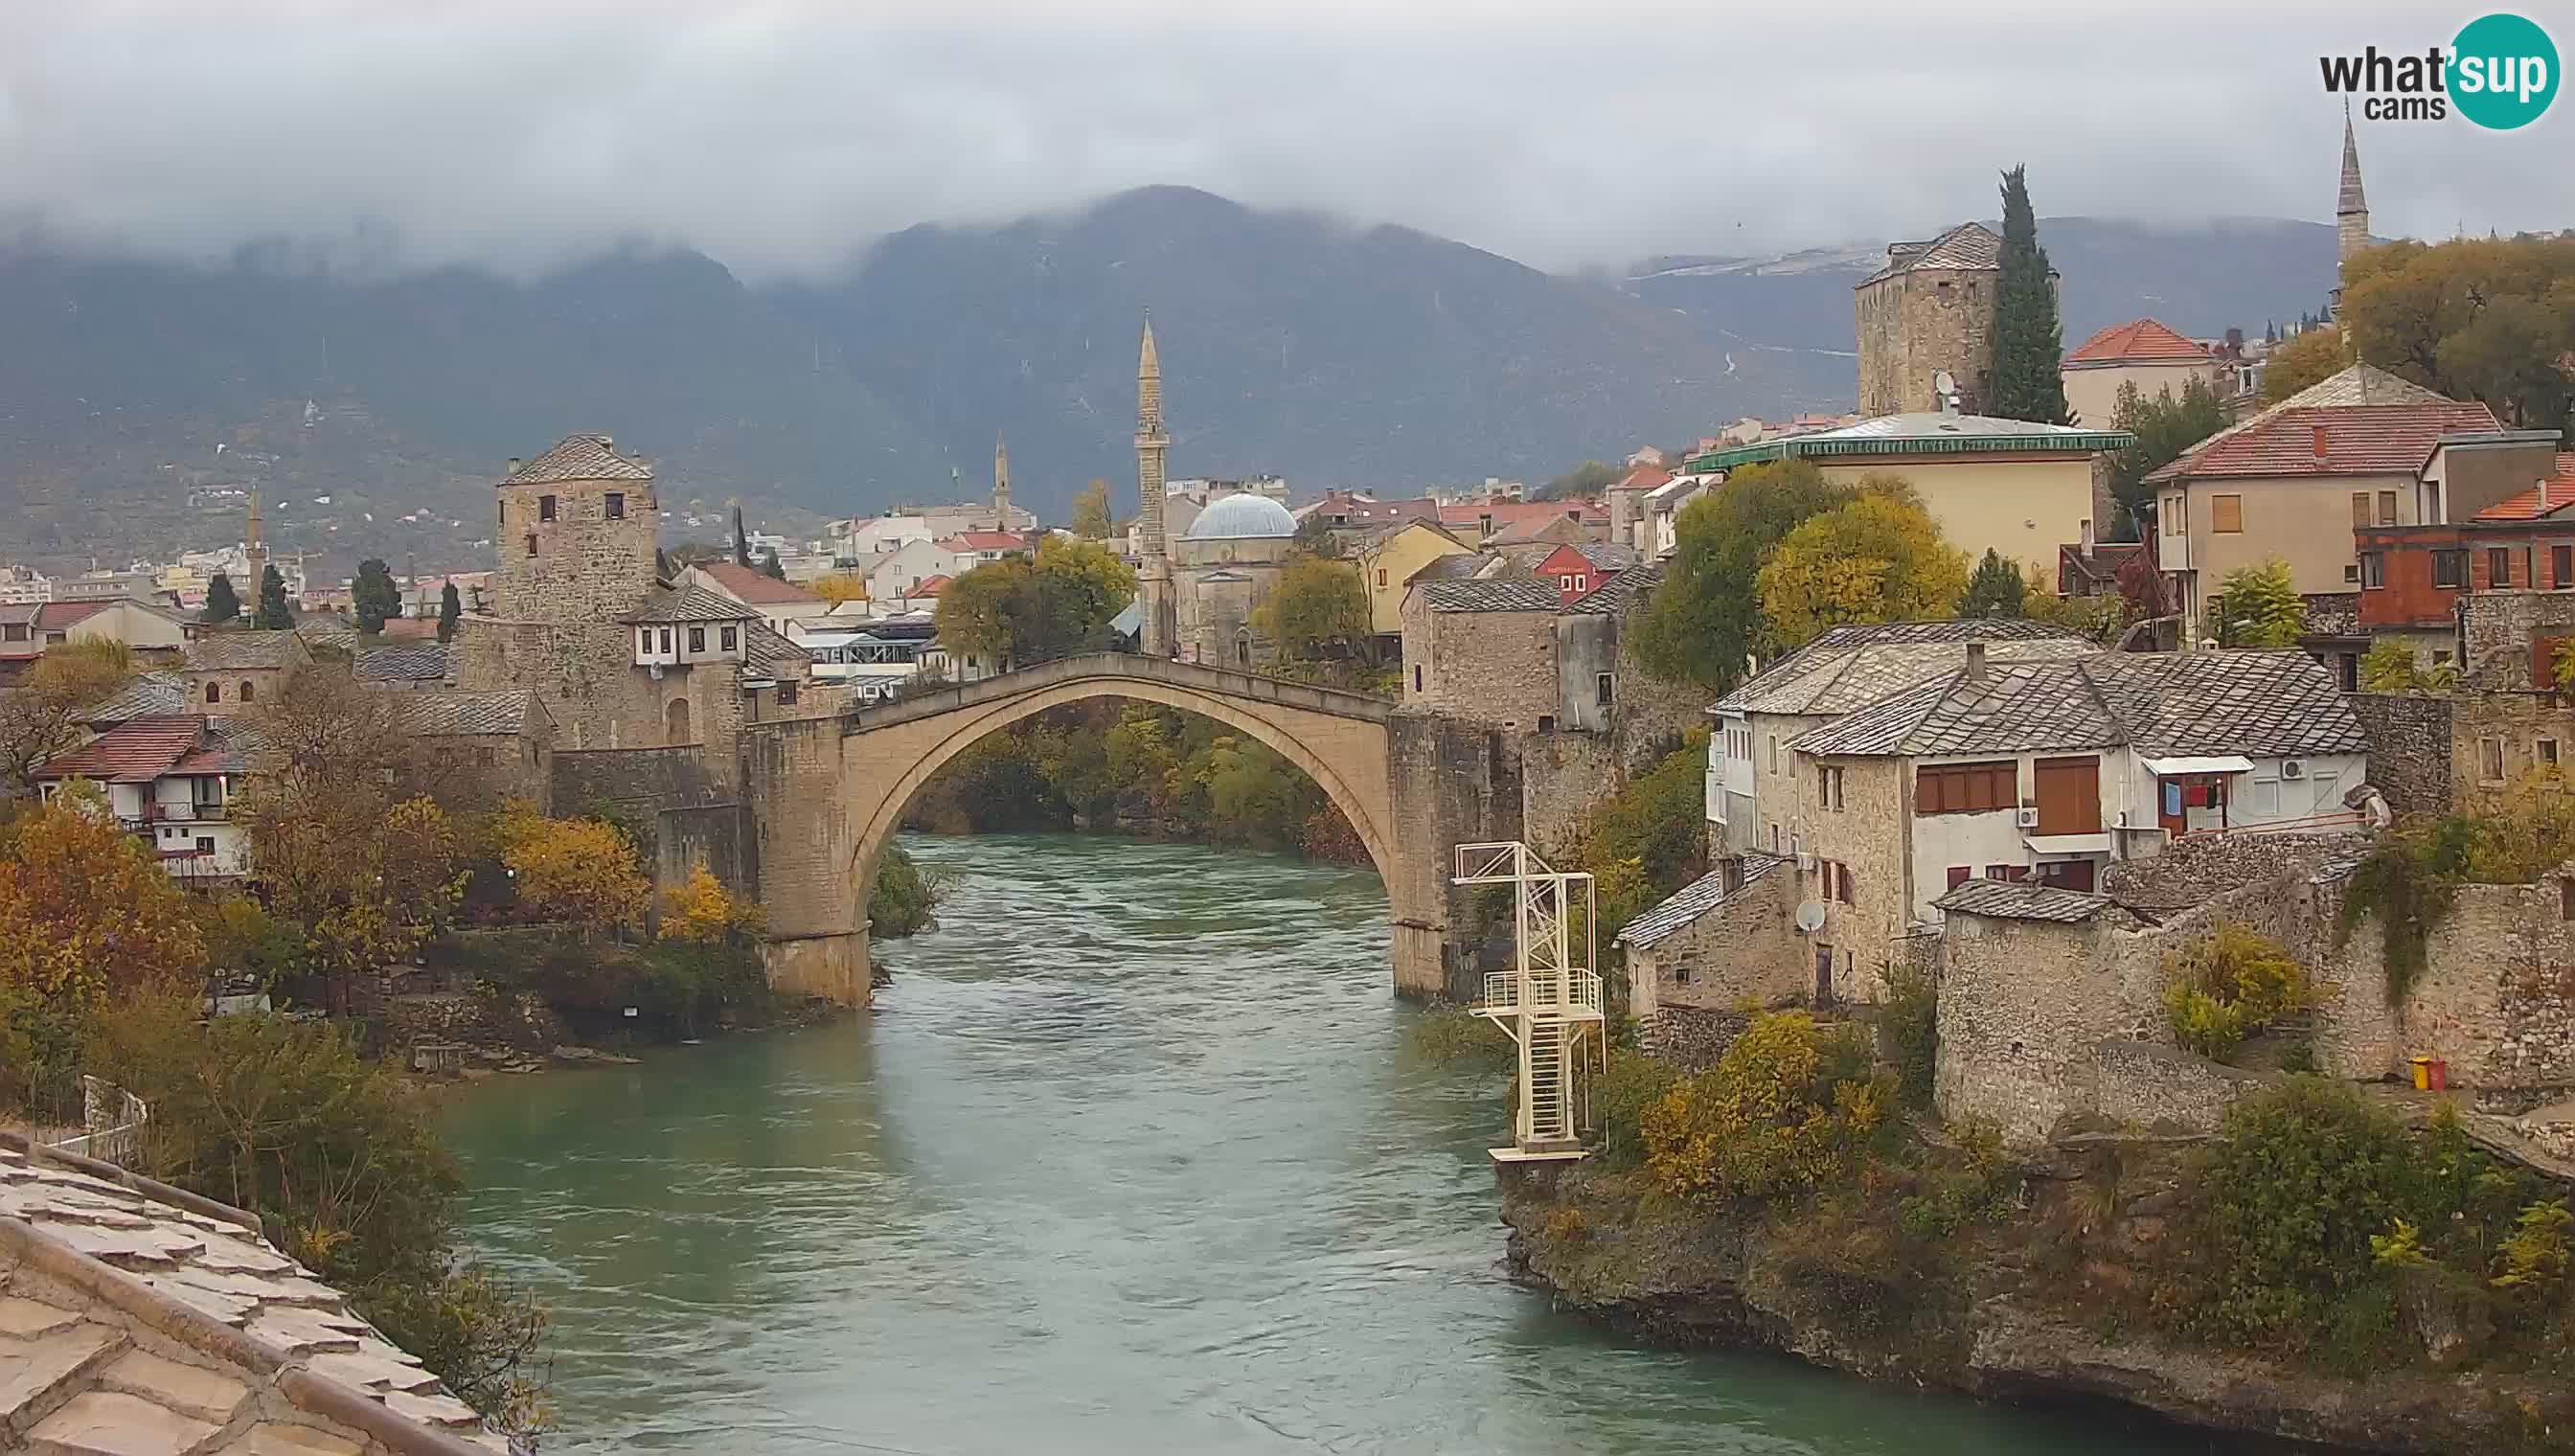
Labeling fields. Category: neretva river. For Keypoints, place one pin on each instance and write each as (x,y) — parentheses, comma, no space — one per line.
(1131,1158)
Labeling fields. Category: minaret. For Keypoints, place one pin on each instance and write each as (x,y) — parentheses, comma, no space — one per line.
(2351,209)
(1001,484)
(254,552)
(1154,575)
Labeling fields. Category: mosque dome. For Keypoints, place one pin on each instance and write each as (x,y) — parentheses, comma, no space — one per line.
(1238,516)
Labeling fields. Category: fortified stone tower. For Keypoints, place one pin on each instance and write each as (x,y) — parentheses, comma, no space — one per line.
(576,530)
(1930,310)
(2351,208)
(1159,632)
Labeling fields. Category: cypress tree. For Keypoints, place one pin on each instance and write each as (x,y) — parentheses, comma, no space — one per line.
(271,615)
(374,595)
(221,602)
(773,567)
(1997,590)
(741,543)
(2029,340)
(449,610)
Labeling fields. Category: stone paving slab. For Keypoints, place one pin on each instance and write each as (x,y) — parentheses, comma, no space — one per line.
(25,1319)
(109,1423)
(277,1440)
(188,1389)
(39,1368)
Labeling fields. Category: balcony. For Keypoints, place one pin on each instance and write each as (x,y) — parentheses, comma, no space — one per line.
(162,812)
(1502,993)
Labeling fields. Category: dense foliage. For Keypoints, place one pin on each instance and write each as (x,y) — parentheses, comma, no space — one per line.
(1704,622)
(1318,609)
(1784,1111)
(1091,518)
(271,612)
(1876,558)
(2030,341)
(1165,771)
(373,596)
(2230,985)
(2259,606)
(1996,589)
(2165,427)
(2390,666)
(451,611)
(2488,319)
(1026,609)
(341,1161)
(2304,359)
(223,604)
(1647,841)
(40,716)
(2411,877)
(580,872)
(905,897)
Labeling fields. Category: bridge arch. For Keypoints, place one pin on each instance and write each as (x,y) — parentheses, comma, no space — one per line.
(1362,804)
(827,796)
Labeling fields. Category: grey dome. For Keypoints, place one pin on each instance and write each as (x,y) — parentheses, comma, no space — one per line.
(1237,516)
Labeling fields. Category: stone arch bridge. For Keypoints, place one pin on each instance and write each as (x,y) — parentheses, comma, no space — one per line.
(827,794)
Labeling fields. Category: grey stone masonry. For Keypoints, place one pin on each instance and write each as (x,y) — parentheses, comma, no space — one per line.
(137,1320)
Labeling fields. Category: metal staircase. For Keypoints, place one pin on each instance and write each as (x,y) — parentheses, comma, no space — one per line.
(1550,1000)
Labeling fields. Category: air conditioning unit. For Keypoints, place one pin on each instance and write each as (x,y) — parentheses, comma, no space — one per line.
(1806,862)
(2028,818)
(2293,768)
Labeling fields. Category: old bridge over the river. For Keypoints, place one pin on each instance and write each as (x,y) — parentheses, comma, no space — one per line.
(828,792)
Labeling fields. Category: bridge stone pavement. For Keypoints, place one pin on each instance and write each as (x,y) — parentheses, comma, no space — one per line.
(826,793)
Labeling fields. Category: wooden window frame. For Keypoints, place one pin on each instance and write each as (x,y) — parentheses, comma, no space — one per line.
(2387,507)
(2456,558)
(1985,786)
(2498,568)
(2561,566)
(2363,517)
(2373,571)
(2226,515)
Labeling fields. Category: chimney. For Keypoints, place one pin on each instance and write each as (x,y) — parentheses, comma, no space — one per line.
(513,466)
(2320,445)
(1975,662)
(2087,538)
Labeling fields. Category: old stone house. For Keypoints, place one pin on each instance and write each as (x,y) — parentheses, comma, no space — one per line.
(1483,649)
(491,748)
(227,671)
(1844,670)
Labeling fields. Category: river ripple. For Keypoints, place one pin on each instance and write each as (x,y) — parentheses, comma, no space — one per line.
(1131,1158)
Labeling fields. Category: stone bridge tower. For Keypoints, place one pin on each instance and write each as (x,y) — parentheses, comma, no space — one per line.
(1161,631)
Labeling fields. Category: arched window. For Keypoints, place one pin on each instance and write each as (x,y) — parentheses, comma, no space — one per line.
(214,693)
(246,694)
(676,719)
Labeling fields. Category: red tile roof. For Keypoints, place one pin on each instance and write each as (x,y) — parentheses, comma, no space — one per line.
(56,616)
(2139,341)
(1506,513)
(2354,438)
(2546,498)
(755,587)
(1644,477)
(134,752)
(930,586)
(983,541)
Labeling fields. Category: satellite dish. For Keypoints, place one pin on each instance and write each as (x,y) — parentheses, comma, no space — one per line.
(1810,917)
(1944,383)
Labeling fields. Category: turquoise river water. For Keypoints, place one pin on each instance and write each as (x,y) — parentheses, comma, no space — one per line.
(1131,1157)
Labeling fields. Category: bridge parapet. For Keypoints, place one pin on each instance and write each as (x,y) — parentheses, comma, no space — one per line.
(1170,672)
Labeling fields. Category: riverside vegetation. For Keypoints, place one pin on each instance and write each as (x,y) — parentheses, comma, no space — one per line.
(2317,1270)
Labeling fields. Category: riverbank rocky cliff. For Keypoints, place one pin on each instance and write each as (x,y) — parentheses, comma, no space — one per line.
(2039,1284)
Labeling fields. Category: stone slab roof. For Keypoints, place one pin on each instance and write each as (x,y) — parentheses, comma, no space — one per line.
(579,458)
(1849,668)
(437,713)
(1968,245)
(773,654)
(2024,901)
(2165,704)
(1493,594)
(689,603)
(403,663)
(135,1318)
(146,695)
(1694,899)
(1612,597)
(234,651)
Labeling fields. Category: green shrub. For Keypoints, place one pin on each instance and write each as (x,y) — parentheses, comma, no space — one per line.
(1635,1081)
(1450,1035)
(1910,1023)
(905,897)
(2533,1258)
(2229,987)
(1981,1185)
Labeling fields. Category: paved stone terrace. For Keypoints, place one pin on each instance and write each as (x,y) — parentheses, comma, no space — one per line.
(137,1320)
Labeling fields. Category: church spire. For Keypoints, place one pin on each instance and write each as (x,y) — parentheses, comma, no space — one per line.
(2351,207)
(1001,484)
(254,551)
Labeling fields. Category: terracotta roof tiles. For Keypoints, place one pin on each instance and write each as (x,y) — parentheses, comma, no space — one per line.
(2139,341)
(2552,497)
(757,587)
(2374,422)
(137,750)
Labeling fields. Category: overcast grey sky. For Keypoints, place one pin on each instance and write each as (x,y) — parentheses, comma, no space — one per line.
(779,137)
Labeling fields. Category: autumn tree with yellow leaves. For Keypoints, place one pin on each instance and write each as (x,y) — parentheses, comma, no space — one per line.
(1877,557)
(583,872)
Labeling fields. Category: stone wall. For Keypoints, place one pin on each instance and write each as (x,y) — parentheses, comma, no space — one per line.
(1562,775)
(1868,834)
(719,835)
(2496,999)
(1488,666)
(2498,630)
(1450,783)
(2497,738)
(2409,748)
(1914,324)
(1746,951)
(586,568)
(639,780)
(2022,1005)
(1691,1038)
(2152,1087)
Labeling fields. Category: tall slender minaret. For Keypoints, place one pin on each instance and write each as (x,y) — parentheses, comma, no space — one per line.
(1001,484)
(2351,208)
(254,551)
(1154,577)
